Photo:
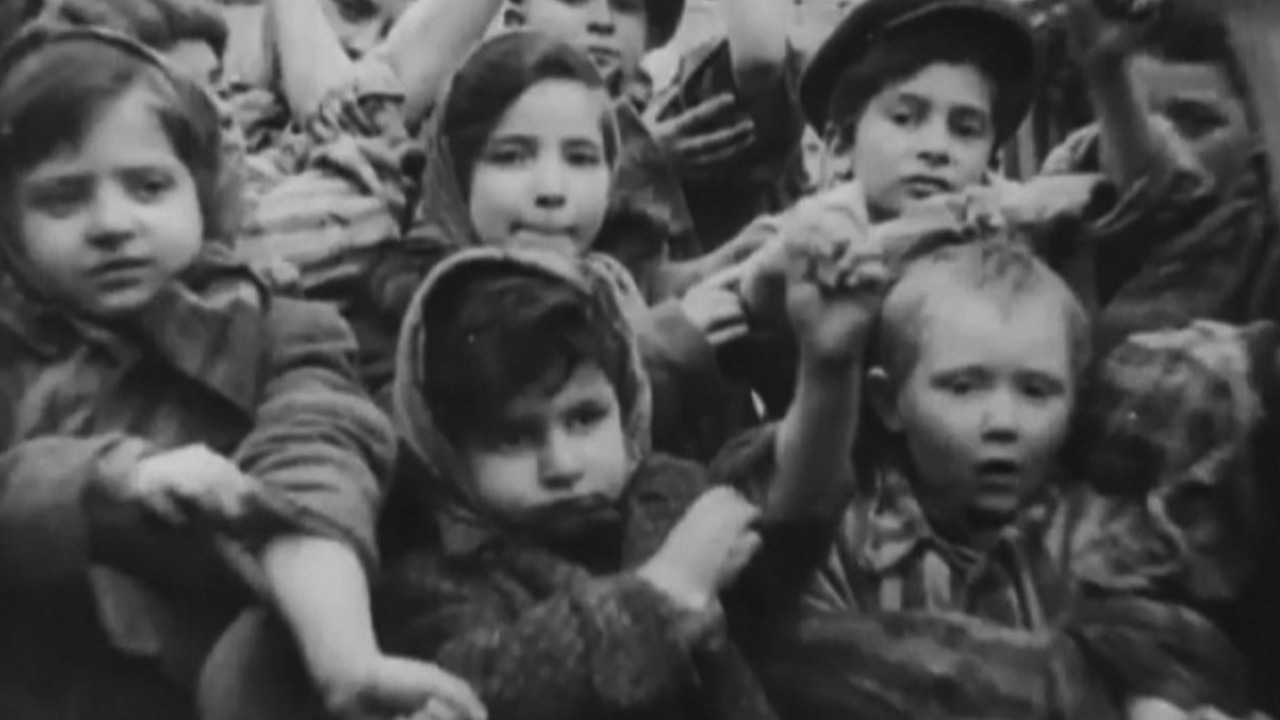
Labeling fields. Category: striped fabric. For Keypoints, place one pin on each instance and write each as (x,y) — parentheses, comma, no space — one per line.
(888,559)
(335,188)
(1056,620)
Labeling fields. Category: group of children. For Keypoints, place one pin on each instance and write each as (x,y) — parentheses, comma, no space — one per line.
(393,385)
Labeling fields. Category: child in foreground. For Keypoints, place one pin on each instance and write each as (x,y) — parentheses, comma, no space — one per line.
(575,574)
(177,445)
(968,560)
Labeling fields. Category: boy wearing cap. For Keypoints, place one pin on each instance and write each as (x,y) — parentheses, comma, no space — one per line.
(913,97)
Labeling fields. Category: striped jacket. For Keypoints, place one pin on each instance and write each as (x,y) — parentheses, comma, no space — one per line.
(1061,617)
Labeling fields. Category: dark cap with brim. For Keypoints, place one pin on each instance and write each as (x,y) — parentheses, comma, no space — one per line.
(989,23)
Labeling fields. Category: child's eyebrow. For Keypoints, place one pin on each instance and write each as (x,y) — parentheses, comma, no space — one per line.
(907,96)
(58,178)
(513,138)
(1197,100)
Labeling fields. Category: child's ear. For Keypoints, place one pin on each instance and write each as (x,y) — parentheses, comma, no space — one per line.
(513,17)
(884,398)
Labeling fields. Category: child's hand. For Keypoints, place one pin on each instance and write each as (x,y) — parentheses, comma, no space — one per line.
(836,277)
(1096,36)
(193,483)
(706,550)
(389,687)
(714,306)
(828,220)
(763,275)
(693,140)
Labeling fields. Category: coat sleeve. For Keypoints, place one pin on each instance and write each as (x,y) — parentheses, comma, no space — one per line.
(921,665)
(792,551)
(690,395)
(319,443)
(609,647)
(1173,196)
(54,524)
(45,534)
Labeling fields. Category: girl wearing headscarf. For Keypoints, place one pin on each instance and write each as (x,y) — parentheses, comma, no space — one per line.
(176,446)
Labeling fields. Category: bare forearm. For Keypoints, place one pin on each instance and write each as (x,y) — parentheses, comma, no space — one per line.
(1129,145)
(309,55)
(815,441)
(757,31)
(321,592)
(426,43)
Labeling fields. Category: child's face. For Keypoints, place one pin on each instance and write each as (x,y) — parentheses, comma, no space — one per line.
(553,455)
(613,33)
(1199,101)
(986,406)
(108,223)
(542,178)
(932,133)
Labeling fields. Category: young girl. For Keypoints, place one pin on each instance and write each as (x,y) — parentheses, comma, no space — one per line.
(571,572)
(173,439)
(521,153)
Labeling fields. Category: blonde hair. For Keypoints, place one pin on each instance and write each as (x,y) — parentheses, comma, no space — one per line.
(1001,270)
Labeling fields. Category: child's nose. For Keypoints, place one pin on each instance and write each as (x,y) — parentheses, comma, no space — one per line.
(111,218)
(935,144)
(560,464)
(999,417)
(601,21)
(549,184)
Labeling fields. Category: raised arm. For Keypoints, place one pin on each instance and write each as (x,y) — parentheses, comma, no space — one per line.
(426,44)
(835,277)
(1104,47)
(757,31)
(309,58)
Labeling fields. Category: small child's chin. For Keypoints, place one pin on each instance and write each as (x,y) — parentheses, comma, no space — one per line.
(118,304)
(995,507)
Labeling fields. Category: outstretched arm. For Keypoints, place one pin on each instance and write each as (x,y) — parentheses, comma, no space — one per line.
(426,44)
(309,59)
(1104,47)
(757,31)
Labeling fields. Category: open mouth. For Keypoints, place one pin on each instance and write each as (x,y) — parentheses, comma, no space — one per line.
(603,55)
(926,185)
(998,468)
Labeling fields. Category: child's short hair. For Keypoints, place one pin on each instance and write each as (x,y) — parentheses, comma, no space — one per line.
(492,335)
(899,57)
(1002,270)
(54,85)
(493,78)
(1189,32)
(159,24)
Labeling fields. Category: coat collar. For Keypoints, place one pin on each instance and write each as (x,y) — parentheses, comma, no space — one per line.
(213,336)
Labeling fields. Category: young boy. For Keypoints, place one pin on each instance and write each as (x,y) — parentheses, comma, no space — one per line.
(966,564)
(574,574)
(1206,250)
(921,108)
